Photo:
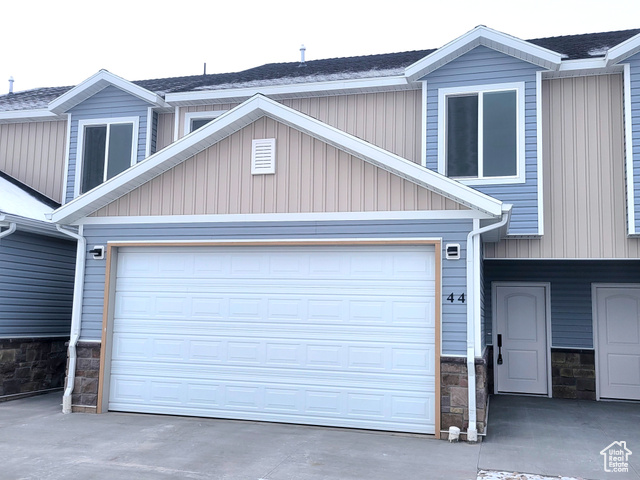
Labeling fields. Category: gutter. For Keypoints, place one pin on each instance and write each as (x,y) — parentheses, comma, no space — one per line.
(472,238)
(76,315)
(10,230)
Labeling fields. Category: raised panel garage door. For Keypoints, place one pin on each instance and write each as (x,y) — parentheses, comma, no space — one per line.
(324,335)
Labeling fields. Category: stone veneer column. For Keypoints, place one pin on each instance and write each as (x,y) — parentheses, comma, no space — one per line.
(85,389)
(573,374)
(454,404)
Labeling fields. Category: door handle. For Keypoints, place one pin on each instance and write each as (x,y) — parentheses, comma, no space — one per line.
(499,349)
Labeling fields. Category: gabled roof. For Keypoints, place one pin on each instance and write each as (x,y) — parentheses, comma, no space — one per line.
(482,35)
(96,83)
(569,47)
(18,199)
(245,114)
(623,50)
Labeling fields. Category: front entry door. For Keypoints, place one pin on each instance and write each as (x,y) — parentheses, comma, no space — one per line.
(520,365)
(617,312)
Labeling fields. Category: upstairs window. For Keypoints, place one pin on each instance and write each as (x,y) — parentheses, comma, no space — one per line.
(483,137)
(195,120)
(106,148)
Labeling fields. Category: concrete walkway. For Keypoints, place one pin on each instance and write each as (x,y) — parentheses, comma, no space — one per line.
(559,437)
(530,435)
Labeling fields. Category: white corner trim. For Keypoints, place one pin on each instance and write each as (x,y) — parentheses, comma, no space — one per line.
(540,167)
(96,83)
(288,217)
(176,124)
(423,154)
(147,149)
(80,145)
(628,151)
(477,294)
(189,116)
(519,87)
(67,158)
(488,37)
(623,50)
(244,115)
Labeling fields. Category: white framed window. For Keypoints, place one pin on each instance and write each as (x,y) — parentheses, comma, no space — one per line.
(195,120)
(481,134)
(106,147)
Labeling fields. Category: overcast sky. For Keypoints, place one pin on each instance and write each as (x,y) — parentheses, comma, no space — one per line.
(56,43)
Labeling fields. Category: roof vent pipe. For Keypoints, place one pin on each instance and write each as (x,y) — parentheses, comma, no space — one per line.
(302,50)
(205,68)
(10,84)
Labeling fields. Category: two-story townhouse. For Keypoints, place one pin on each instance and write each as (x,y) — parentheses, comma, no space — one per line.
(373,242)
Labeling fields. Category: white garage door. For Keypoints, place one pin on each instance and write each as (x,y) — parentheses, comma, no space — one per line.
(324,335)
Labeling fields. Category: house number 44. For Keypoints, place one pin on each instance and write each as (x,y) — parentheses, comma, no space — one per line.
(452,297)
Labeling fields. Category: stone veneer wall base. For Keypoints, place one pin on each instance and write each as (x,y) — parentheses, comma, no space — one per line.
(31,366)
(84,398)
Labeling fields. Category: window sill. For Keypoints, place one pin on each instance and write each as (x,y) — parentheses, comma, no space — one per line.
(490,180)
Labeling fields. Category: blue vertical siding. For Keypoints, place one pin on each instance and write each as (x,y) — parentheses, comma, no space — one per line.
(634,63)
(36,285)
(110,102)
(453,271)
(571,316)
(154,133)
(484,66)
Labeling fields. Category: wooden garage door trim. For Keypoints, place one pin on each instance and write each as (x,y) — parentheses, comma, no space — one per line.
(109,291)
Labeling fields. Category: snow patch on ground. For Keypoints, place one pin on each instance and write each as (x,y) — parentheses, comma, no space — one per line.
(495,475)
(15,201)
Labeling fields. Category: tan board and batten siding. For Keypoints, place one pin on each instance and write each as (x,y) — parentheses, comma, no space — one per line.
(311,176)
(584,174)
(389,120)
(34,153)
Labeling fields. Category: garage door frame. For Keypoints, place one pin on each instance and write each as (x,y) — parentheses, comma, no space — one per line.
(110,279)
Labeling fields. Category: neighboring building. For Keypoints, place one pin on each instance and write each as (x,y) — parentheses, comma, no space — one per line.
(36,291)
(334,242)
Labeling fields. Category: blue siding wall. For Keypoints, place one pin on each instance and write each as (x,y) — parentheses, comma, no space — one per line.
(154,133)
(571,319)
(483,66)
(453,271)
(110,102)
(36,285)
(634,63)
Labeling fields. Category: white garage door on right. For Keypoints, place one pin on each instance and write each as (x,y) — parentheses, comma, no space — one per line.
(617,313)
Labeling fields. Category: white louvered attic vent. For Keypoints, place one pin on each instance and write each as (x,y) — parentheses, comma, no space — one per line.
(263,156)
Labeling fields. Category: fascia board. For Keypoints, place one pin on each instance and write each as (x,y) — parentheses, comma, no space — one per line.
(290,90)
(488,37)
(245,114)
(34,226)
(623,50)
(97,82)
(36,115)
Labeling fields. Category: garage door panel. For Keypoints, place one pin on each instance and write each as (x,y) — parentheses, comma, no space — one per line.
(339,336)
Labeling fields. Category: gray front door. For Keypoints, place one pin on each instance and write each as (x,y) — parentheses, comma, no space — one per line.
(521,363)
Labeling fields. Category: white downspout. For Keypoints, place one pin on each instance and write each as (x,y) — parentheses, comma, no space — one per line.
(8,231)
(76,313)
(474,236)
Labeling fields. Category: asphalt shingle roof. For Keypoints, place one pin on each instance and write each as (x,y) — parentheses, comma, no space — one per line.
(572,47)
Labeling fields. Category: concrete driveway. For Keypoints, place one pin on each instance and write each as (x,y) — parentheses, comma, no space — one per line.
(536,436)
(38,442)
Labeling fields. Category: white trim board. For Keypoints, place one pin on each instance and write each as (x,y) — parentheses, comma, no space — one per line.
(289,217)
(244,115)
(628,151)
